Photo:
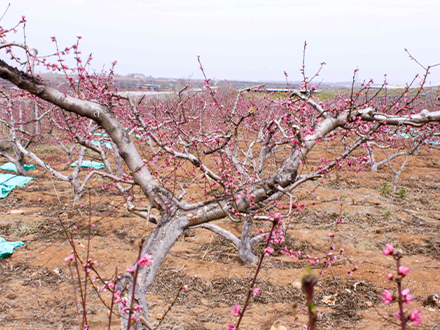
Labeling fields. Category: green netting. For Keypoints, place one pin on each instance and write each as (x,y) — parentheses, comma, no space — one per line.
(12,168)
(88,163)
(6,248)
(9,182)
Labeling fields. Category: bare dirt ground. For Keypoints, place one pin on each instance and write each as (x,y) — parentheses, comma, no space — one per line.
(36,288)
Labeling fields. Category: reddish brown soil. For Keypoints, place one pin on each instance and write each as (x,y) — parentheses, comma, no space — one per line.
(36,288)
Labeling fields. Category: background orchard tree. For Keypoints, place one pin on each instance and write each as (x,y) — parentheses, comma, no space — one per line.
(244,151)
(74,135)
(26,120)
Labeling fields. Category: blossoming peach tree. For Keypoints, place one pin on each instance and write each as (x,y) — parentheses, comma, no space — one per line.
(247,150)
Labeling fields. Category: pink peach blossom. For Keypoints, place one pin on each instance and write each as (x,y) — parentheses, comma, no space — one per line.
(388,250)
(403,270)
(145,260)
(387,297)
(236,310)
(416,317)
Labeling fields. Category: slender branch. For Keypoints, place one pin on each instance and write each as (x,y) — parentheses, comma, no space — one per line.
(246,303)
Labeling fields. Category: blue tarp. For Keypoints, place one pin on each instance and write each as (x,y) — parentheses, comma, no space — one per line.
(107,143)
(101,134)
(88,163)
(9,182)
(102,143)
(12,168)
(435,141)
(6,248)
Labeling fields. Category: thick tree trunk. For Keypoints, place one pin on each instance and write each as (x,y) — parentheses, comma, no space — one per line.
(157,245)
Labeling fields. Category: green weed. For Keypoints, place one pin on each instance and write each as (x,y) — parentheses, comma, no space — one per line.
(386,189)
(402,193)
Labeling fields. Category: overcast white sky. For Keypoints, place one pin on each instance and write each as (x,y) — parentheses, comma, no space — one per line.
(241,39)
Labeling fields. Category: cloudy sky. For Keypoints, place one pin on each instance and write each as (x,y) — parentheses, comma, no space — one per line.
(241,39)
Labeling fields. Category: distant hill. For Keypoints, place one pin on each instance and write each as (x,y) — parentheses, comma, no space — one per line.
(133,82)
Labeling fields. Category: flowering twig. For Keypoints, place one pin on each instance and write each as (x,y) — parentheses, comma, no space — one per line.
(402,296)
(141,244)
(112,303)
(170,306)
(267,251)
